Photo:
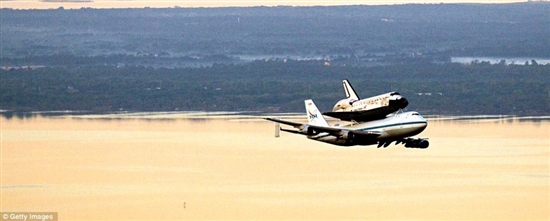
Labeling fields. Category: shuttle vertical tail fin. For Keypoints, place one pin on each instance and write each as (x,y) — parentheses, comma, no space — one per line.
(350,92)
(314,116)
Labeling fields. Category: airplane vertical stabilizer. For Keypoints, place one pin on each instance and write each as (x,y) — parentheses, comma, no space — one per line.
(350,92)
(314,116)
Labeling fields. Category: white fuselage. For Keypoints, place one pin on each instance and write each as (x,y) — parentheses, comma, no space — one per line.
(392,128)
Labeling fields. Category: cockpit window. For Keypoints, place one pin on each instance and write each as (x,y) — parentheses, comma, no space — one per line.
(416,114)
(394,93)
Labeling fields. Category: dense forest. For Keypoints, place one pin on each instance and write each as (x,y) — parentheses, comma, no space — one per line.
(272,58)
(364,33)
(277,86)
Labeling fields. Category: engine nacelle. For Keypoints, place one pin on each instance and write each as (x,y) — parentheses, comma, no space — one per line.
(308,131)
(417,143)
(343,105)
(423,144)
(347,135)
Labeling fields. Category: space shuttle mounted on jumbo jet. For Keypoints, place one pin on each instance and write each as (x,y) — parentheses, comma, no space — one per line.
(373,108)
(399,128)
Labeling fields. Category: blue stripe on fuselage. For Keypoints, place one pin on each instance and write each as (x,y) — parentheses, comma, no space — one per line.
(391,125)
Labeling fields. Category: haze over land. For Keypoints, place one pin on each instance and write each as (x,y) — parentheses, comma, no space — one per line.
(272,58)
(48,4)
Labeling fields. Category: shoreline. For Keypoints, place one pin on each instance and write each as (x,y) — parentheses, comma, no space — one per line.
(233,115)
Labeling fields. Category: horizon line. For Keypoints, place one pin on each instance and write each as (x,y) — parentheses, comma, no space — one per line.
(48,5)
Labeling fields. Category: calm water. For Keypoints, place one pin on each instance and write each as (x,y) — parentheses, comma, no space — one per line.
(179,167)
(496,60)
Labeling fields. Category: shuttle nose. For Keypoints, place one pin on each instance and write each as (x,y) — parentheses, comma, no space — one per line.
(400,102)
(403,102)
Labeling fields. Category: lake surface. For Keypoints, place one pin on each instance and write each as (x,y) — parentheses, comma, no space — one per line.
(105,167)
(496,60)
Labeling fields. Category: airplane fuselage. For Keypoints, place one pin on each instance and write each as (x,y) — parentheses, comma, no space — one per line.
(398,128)
(392,128)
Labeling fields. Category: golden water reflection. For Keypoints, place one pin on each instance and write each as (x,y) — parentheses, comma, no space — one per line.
(94,169)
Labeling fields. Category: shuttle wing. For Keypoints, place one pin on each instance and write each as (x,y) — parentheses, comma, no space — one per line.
(362,116)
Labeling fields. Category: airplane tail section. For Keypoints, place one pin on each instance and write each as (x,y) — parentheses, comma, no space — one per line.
(350,92)
(314,116)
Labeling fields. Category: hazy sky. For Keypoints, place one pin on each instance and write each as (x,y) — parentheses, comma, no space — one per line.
(45,4)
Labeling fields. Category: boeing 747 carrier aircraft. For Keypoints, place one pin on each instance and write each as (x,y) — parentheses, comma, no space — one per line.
(399,128)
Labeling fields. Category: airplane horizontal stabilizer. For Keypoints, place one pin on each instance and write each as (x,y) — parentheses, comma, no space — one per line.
(294,124)
(292,131)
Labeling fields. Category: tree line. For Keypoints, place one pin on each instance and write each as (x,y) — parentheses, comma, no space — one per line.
(277,86)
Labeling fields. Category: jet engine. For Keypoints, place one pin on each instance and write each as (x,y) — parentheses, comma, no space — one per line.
(417,143)
(308,131)
(347,135)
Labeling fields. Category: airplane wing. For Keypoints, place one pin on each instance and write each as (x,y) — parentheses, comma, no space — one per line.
(319,129)
(306,129)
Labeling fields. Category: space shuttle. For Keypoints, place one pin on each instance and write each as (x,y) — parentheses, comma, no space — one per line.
(352,108)
(398,128)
